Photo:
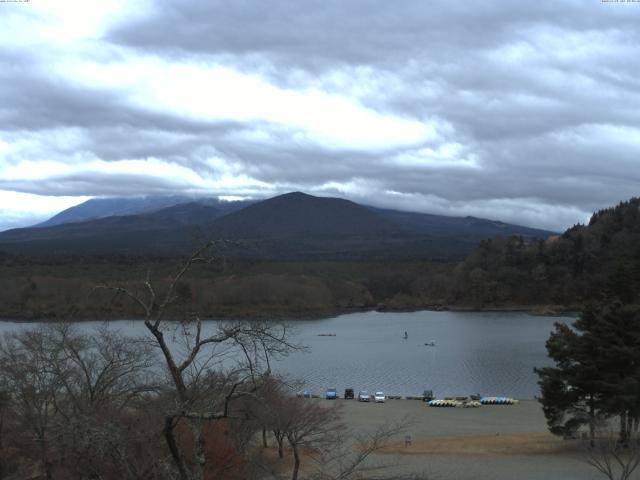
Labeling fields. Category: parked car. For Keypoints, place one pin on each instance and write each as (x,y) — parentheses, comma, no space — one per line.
(364,396)
(348,394)
(378,397)
(427,396)
(331,394)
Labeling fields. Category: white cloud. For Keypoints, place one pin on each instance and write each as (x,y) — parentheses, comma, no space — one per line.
(232,198)
(448,155)
(63,22)
(100,174)
(24,209)
(217,93)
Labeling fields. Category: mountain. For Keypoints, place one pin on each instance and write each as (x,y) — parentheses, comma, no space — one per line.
(109,207)
(298,215)
(294,226)
(466,227)
(121,206)
(192,213)
(176,228)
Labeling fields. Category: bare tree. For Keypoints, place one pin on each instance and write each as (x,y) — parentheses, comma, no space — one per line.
(270,411)
(349,455)
(242,349)
(315,434)
(4,410)
(106,377)
(33,389)
(308,425)
(98,369)
(72,393)
(614,459)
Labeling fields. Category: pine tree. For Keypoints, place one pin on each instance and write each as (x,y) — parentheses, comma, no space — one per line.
(597,372)
(570,390)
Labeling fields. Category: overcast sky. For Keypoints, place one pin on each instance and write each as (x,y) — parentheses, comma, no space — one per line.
(526,112)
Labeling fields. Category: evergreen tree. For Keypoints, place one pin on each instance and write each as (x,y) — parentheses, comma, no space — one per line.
(618,330)
(570,390)
(597,372)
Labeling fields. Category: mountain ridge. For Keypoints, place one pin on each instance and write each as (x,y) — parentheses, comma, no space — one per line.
(299,215)
(293,224)
(97,208)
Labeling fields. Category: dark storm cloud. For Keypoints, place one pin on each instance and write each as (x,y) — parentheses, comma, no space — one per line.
(536,106)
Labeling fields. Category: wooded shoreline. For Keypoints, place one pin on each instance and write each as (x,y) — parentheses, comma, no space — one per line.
(535,310)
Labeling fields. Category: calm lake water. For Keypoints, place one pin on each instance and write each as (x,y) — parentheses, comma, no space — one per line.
(492,353)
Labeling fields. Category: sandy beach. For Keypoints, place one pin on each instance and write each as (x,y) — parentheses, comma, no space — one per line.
(490,442)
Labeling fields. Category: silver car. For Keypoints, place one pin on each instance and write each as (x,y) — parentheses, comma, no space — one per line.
(364,396)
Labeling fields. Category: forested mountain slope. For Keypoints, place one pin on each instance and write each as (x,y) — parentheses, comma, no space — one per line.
(582,264)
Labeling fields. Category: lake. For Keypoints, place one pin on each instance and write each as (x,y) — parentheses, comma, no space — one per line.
(492,353)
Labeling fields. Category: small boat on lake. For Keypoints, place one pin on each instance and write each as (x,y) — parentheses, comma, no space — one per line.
(430,343)
(326,334)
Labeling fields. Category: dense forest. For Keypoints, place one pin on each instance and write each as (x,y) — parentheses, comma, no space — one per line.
(566,270)
(556,274)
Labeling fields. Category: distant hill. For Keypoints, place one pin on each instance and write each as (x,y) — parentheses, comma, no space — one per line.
(176,228)
(465,227)
(122,206)
(109,207)
(294,225)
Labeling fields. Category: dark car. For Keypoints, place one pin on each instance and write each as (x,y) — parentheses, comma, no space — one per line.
(348,394)
(427,395)
(331,394)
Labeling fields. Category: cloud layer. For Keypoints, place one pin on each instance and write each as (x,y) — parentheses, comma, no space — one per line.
(524,113)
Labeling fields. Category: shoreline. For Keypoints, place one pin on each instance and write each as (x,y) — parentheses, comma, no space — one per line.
(534,310)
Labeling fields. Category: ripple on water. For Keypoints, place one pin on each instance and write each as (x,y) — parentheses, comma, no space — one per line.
(491,353)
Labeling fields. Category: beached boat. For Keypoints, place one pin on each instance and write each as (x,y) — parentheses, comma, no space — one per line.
(444,403)
(498,401)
